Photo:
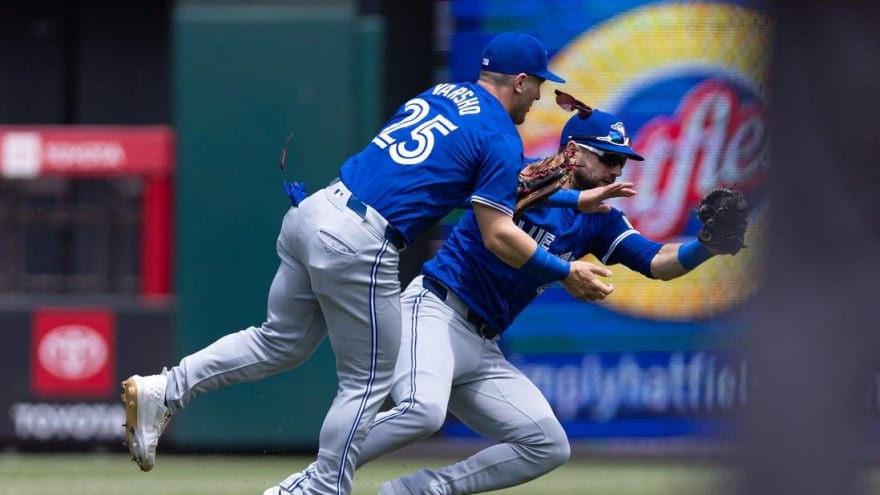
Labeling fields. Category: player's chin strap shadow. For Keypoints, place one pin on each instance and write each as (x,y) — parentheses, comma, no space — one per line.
(296,191)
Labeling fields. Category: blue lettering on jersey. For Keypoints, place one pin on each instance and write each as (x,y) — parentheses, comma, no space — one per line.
(542,236)
(499,292)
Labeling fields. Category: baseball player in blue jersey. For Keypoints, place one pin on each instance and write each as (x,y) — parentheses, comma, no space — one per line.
(465,298)
(339,252)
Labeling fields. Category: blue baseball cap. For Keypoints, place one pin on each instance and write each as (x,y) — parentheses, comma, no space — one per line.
(514,53)
(602,131)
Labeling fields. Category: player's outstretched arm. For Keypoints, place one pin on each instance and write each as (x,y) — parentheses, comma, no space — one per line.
(674,260)
(591,200)
(724,215)
(665,265)
(507,241)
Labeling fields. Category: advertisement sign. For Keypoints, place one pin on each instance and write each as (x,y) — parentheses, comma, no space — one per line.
(66,365)
(641,394)
(695,108)
(30,151)
(72,353)
(688,81)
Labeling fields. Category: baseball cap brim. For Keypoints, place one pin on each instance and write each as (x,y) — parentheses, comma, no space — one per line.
(614,148)
(549,76)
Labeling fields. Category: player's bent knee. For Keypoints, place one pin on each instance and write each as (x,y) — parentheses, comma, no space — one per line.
(553,449)
(559,450)
(430,418)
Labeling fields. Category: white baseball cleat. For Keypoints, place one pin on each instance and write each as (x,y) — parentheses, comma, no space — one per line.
(146,416)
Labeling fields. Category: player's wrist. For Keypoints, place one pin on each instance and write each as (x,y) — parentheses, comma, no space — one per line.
(692,254)
(546,265)
(564,198)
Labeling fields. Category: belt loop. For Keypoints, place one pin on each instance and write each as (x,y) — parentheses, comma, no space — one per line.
(356,206)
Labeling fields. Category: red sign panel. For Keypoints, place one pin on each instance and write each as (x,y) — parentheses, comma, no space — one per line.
(73,353)
(28,152)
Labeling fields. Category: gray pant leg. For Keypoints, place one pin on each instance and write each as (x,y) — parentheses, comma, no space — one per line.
(509,408)
(293,329)
(353,273)
(423,375)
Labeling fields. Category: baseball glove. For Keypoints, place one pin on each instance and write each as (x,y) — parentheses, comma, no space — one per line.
(540,179)
(724,213)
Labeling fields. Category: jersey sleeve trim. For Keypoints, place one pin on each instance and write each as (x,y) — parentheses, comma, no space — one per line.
(492,204)
(617,241)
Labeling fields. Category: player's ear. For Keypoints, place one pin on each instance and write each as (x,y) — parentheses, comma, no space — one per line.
(519,82)
(571,148)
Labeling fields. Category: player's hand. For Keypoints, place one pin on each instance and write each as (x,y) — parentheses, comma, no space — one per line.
(583,283)
(590,200)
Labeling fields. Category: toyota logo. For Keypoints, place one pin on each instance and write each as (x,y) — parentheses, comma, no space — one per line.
(73,352)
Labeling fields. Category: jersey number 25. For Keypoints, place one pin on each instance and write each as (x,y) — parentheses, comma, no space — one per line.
(422,134)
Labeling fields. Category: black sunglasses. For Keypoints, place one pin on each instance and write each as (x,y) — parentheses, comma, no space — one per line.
(570,103)
(607,158)
(612,159)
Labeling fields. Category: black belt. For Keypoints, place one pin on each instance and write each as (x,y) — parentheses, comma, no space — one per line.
(437,288)
(391,235)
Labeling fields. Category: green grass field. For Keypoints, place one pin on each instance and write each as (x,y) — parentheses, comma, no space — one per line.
(93,474)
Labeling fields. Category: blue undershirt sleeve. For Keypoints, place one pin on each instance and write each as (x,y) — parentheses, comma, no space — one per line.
(636,252)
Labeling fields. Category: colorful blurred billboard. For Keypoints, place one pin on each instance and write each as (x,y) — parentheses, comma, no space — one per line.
(688,80)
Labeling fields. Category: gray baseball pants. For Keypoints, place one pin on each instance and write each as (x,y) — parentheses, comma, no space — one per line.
(444,362)
(338,277)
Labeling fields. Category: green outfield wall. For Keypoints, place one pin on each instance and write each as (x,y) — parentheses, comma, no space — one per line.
(244,78)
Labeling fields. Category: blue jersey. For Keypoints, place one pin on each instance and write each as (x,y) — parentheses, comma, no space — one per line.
(451,144)
(498,292)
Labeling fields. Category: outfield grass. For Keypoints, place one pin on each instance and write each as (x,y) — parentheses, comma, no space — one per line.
(92,474)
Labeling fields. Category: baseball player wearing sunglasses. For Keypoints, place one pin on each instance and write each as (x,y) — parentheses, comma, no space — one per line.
(455,312)
(339,252)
